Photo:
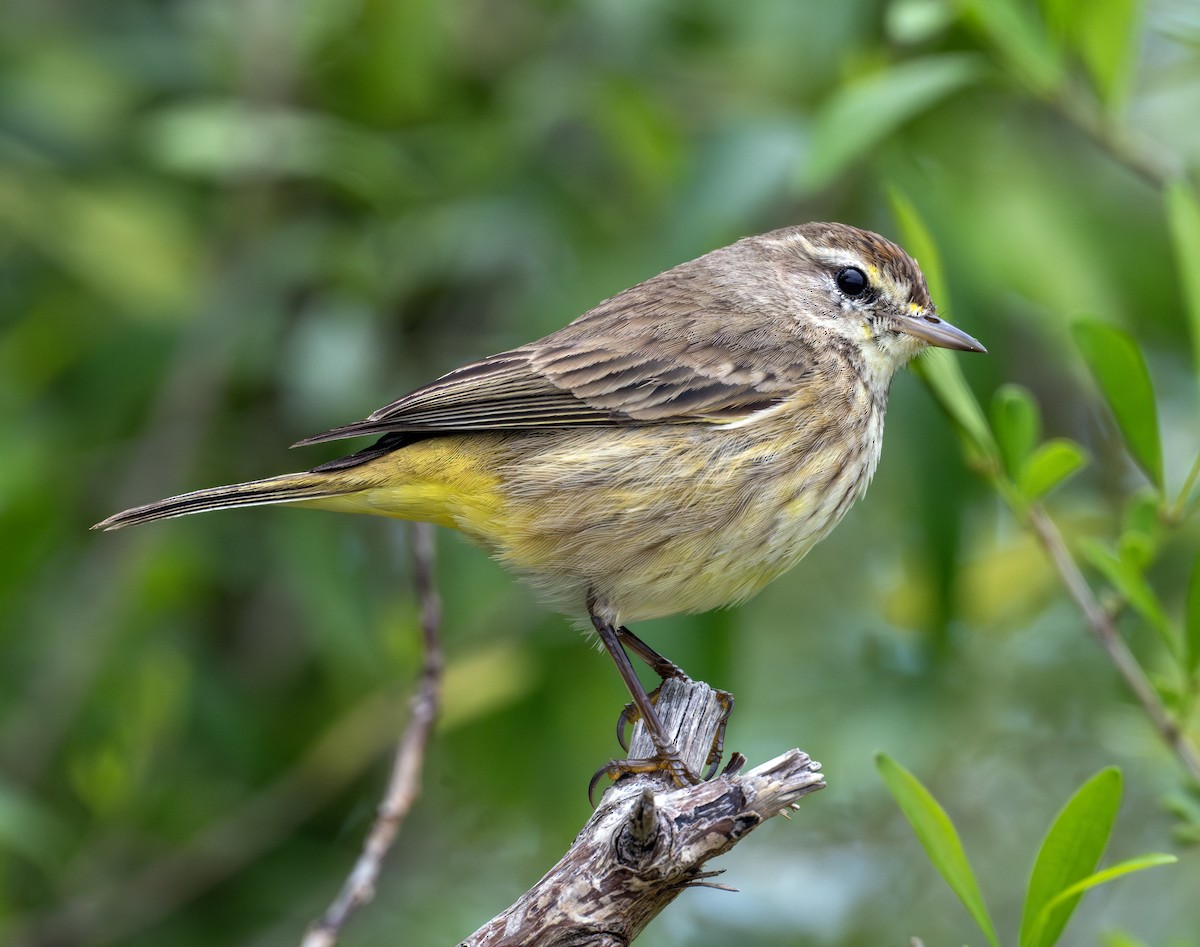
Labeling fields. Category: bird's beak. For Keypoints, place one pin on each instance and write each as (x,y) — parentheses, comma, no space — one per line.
(927,327)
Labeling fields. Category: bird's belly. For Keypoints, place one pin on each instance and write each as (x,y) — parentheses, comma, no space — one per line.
(661,521)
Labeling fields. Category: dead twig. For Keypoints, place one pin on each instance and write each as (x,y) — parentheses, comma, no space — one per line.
(404,784)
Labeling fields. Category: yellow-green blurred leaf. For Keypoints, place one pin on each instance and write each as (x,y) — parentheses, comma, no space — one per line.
(937,368)
(1120,370)
(1103,33)
(1183,215)
(1127,578)
(1120,939)
(1048,466)
(115,237)
(1017,425)
(919,242)
(1192,621)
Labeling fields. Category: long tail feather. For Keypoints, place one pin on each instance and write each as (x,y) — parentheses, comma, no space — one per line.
(290,488)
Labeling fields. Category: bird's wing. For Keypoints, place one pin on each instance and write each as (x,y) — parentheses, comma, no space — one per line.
(616,365)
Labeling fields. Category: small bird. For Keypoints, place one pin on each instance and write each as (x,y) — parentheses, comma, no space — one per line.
(670,451)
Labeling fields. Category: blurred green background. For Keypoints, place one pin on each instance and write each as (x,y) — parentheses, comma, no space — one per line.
(227,225)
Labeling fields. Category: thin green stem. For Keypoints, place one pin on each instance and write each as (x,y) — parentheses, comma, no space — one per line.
(1178,509)
(1100,624)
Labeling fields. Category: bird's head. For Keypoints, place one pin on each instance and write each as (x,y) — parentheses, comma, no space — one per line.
(855,285)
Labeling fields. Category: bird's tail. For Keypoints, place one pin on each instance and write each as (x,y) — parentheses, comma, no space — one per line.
(289,488)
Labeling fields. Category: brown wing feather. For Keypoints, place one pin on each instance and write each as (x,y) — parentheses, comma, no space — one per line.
(661,352)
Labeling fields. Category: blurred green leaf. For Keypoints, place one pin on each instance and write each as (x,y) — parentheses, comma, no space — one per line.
(230,139)
(1017,425)
(910,22)
(29,828)
(1103,33)
(122,239)
(1048,466)
(1107,42)
(938,837)
(1120,370)
(1070,851)
(1192,622)
(937,368)
(1136,548)
(1183,216)
(1142,514)
(1120,939)
(1022,38)
(919,242)
(1066,899)
(1126,576)
(860,115)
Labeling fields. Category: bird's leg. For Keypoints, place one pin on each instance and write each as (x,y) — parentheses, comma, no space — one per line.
(668,756)
(665,668)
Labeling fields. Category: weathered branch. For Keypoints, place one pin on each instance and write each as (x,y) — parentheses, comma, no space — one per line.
(649,840)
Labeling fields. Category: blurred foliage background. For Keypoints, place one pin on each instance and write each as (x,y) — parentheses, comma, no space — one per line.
(227,225)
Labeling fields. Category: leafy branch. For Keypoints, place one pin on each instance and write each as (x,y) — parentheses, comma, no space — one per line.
(1007,449)
(1067,864)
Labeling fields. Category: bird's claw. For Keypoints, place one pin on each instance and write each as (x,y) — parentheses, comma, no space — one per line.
(668,762)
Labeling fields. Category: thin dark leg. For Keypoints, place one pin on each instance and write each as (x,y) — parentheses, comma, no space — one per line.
(664,667)
(641,700)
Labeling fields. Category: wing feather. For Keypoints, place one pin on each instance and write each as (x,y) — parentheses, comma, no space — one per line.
(683,359)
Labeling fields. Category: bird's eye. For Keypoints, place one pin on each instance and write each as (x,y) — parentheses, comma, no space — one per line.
(852,281)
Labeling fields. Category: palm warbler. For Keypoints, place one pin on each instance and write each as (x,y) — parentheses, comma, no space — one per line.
(672,450)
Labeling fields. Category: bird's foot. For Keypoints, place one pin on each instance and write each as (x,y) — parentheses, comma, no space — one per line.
(668,761)
(630,716)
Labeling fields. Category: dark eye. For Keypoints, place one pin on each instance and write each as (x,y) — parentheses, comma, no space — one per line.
(852,281)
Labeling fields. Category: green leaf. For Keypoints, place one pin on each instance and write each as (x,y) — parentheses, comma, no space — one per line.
(1048,466)
(1013,29)
(860,115)
(1103,34)
(937,368)
(1120,939)
(910,22)
(1070,852)
(937,836)
(1017,425)
(30,828)
(1136,550)
(1120,370)
(1066,899)
(1142,514)
(126,243)
(1126,576)
(1107,40)
(1183,215)
(1192,622)
(919,243)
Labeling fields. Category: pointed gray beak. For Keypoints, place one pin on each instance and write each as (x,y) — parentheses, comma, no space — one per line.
(929,328)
